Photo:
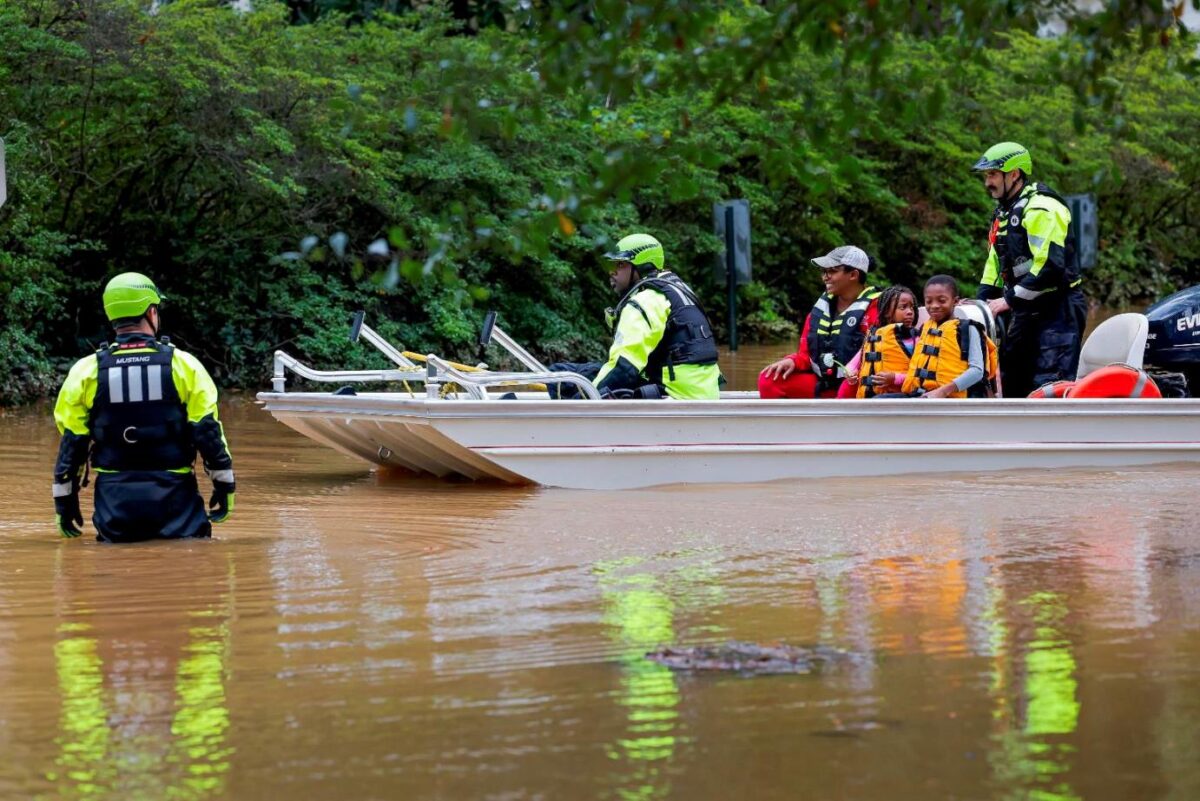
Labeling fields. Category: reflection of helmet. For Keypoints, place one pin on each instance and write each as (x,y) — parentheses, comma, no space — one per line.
(129,295)
(1006,156)
(640,250)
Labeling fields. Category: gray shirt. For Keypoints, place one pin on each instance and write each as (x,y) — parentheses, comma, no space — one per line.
(974,372)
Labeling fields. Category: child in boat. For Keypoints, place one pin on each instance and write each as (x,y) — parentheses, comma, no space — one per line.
(882,364)
(953,356)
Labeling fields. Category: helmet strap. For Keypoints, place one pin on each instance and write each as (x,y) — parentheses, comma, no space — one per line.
(1011,191)
(140,324)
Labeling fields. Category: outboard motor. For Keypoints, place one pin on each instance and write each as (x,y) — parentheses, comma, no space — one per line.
(1173,343)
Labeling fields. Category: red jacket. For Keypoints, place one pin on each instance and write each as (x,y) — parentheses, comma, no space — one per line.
(801,357)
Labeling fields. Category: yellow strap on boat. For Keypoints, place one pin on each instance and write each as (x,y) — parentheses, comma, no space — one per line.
(417,357)
(466,368)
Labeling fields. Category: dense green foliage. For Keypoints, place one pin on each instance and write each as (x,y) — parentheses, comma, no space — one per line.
(426,176)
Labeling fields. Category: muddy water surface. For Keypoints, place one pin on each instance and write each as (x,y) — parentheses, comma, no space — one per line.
(354,636)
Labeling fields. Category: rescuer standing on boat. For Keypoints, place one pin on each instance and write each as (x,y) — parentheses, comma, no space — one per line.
(1030,275)
(143,408)
(662,341)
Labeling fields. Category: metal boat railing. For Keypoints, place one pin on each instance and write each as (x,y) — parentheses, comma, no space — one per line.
(285,362)
(437,374)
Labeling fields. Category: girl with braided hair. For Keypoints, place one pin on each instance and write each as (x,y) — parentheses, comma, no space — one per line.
(880,367)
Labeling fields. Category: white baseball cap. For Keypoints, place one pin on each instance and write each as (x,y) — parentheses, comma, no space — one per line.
(845,256)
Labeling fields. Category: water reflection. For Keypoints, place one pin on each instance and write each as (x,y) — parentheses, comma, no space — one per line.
(641,617)
(1032,747)
(83,738)
(351,635)
(143,712)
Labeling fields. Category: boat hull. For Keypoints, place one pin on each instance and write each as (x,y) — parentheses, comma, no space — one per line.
(629,444)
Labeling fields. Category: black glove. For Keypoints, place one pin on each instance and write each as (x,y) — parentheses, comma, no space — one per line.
(68,515)
(644,392)
(221,501)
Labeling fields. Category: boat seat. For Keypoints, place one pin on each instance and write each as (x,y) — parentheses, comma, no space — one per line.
(1118,340)
(974,310)
(977,311)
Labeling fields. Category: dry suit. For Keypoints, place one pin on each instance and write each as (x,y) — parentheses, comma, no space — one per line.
(661,339)
(140,410)
(1029,265)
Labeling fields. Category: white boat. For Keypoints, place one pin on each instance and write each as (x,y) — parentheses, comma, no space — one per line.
(593,444)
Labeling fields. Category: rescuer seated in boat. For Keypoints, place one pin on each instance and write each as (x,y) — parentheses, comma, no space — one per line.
(833,331)
(882,365)
(663,343)
(953,357)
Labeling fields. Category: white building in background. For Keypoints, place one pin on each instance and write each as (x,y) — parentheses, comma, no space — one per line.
(241,6)
(1190,18)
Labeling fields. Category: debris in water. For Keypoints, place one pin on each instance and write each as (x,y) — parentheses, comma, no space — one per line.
(749,658)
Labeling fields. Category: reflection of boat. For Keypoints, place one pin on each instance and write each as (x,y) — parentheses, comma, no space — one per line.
(457,428)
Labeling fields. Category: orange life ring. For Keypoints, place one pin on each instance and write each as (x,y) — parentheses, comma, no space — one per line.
(1055,389)
(1115,381)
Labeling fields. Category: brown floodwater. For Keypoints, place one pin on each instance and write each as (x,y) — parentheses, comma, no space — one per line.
(348,635)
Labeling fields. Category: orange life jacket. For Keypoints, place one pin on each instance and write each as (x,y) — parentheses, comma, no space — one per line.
(883,352)
(940,356)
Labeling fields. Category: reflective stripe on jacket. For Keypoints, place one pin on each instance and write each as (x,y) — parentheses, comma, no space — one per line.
(1028,248)
(192,383)
(75,411)
(662,336)
(138,420)
(834,340)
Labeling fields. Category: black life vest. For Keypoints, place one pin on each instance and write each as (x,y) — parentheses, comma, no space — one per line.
(689,336)
(138,420)
(841,336)
(1011,240)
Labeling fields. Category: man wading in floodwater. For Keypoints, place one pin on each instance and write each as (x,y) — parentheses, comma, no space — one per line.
(144,408)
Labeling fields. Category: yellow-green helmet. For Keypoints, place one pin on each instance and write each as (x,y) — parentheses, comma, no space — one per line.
(129,295)
(640,250)
(1006,157)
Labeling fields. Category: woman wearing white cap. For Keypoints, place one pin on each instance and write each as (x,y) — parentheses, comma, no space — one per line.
(833,332)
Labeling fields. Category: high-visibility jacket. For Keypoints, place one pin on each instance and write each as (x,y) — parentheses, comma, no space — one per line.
(662,336)
(1029,262)
(833,340)
(146,406)
(883,352)
(940,356)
